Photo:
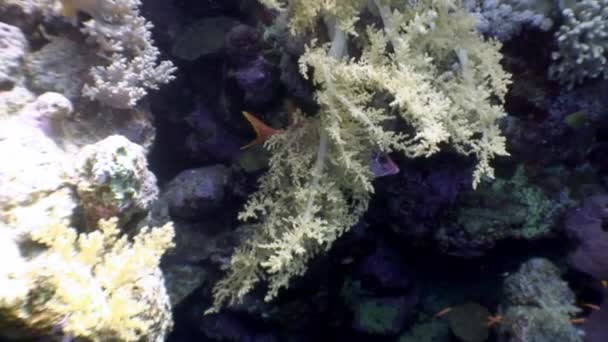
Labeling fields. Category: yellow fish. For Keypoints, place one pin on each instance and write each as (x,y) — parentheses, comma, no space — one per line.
(70,8)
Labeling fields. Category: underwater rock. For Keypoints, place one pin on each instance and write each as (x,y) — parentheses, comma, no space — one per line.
(564,132)
(383,293)
(211,139)
(257,80)
(61,66)
(47,113)
(595,325)
(13,47)
(199,247)
(243,45)
(93,123)
(228,327)
(297,87)
(538,305)
(381,315)
(468,322)
(506,208)
(202,38)
(36,176)
(197,193)
(12,263)
(182,280)
(587,227)
(13,100)
(25,14)
(538,282)
(113,180)
(417,196)
(432,331)
(198,243)
(385,271)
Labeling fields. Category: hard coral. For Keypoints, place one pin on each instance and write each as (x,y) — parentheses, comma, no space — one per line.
(123,36)
(582,42)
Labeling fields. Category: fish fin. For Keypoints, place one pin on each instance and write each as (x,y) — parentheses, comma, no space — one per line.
(262,131)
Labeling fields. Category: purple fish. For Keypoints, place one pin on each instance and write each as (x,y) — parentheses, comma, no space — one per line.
(382,165)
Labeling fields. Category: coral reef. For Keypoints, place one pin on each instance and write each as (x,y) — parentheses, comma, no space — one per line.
(66,169)
(94,286)
(326,157)
(375,203)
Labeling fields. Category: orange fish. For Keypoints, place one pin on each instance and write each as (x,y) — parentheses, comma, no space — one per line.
(263,132)
(577,321)
(592,306)
(494,320)
(443,312)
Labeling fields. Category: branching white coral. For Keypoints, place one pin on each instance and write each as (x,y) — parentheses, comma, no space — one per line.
(582,42)
(123,37)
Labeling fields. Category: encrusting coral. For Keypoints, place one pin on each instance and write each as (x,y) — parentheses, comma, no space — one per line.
(443,80)
(114,180)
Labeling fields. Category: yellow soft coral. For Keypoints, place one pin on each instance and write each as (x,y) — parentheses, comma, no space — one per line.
(98,286)
(306,13)
(426,68)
